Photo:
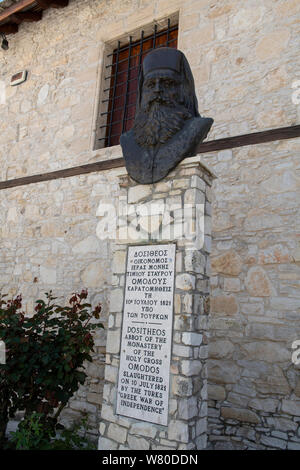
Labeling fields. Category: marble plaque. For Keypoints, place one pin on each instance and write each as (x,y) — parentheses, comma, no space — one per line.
(143,386)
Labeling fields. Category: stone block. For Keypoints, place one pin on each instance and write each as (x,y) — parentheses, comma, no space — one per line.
(284,303)
(195,262)
(94,398)
(143,429)
(197,182)
(272,44)
(258,283)
(87,245)
(280,435)
(93,370)
(293,446)
(267,384)
(181,351)
(192,339)
(119,261)
(276,254)
(113,341)
(216,392)
(117,433)
(190,368)
(187,303)
(246,433)
(182,387)
(107,444)
(183,322)
(238,400)
(102,428)
(185,281)
(172,406)
(221,372)
(240,415)
(138,193)
(268,351)
(264,404)
(177,303)
(201,426)
(225,155)
(83,406)
(116,300)
(258,219)
(94,274)
(220,349)
(201,442)
(229,263)
(224,305)
(138,443)
(232,285)
(111,374)
(107,413)
(187,408)
(273,442)
(178,431)
(48,275)
(193,197)
(291,407)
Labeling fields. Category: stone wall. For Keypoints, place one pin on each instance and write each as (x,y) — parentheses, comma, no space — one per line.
(254,386)
(245,60)
(49,241)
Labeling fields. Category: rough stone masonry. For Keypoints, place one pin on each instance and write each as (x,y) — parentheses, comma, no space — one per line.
(245,59)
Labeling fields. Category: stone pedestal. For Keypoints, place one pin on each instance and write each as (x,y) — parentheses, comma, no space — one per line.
(175,210)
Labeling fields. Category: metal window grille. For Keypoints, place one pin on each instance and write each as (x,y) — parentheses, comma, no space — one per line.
(122,82)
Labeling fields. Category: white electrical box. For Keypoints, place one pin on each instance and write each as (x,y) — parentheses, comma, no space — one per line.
(18,78)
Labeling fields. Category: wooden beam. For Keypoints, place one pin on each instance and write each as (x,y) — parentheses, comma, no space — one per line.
(15,8)
(22,4)
(43,3)
(74,171)
(59,3)
(27,16)
(280,133)
(270,135)
(52,3)
(9,28)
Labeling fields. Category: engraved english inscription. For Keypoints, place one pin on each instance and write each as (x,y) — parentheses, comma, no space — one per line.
(143,387)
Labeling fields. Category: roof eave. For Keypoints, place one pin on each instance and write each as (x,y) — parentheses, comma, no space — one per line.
(26,11)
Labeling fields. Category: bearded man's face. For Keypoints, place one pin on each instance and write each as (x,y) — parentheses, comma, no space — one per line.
(162,87)
(161,114)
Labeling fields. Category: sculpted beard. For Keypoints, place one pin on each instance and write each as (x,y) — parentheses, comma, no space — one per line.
(158,121)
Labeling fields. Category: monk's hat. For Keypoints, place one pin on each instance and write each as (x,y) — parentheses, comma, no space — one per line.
(168,58)
(163,58)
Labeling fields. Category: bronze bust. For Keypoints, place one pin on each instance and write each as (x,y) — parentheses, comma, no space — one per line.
(167,126)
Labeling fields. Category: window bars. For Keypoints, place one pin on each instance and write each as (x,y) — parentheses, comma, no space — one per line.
(122,83)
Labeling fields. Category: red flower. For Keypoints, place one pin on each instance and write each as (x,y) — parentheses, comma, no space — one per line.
(98,308)
(83,294)
(18,302)
(73,299)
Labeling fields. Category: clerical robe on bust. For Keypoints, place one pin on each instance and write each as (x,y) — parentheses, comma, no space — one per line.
(167,126)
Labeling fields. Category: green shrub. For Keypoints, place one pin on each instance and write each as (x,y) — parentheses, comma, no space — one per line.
(36,433)
(33,433)
(45,353)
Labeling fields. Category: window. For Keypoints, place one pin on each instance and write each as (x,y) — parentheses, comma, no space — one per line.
(121,83)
